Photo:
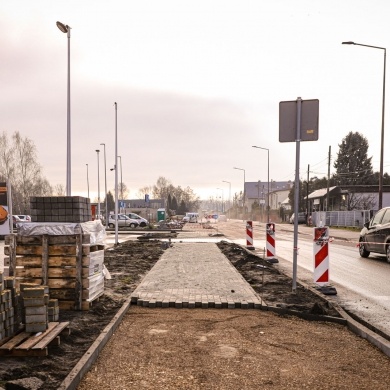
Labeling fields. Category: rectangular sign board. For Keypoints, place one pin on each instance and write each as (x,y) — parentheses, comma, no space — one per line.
(4,214)
(288,120)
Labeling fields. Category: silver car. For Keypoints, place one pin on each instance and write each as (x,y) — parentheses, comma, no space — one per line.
(123,221)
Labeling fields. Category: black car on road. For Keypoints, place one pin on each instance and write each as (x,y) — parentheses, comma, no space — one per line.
(375,235)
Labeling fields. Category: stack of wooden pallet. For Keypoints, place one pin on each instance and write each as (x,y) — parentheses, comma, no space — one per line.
(69,265)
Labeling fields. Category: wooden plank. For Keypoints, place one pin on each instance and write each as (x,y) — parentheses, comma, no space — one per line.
(19,338)
(45,256)
(80,249)
(62,283)
(37,240)
(54,250)
(28,273)
(54,261)
(52,273)
(51,335)
(33,340)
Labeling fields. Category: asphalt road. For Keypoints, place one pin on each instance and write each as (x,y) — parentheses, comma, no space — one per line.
(362,285)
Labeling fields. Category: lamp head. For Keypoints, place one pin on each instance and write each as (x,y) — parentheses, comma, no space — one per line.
(348,43)
(64,28)
(97,150)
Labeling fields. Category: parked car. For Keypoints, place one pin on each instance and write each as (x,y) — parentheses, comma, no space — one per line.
(141,221)
(375,235)
(301,218)
(24,218)
(123,221)
(15,220)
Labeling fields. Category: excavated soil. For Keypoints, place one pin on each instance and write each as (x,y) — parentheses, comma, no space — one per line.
(127,263)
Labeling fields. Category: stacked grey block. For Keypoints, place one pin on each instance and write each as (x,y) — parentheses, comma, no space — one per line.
(60,209)
(10,316)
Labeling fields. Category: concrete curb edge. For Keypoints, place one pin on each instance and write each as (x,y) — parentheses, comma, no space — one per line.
(84,364)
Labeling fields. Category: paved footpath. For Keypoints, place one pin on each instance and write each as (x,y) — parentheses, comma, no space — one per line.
(195,275)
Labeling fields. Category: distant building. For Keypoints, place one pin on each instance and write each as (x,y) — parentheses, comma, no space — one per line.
(256,192)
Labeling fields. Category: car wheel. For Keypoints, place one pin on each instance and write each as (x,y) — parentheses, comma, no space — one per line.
(364,252)
(142,224)
(388,252)
(111,225)
(133,225)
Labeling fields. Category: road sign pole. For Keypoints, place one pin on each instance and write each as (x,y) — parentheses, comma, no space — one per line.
(296,192)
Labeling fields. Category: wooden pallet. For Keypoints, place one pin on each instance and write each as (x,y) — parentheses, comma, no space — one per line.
(34,344)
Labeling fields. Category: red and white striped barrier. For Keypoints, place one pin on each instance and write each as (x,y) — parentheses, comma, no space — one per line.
(249,235)
(270,244)
(321,255)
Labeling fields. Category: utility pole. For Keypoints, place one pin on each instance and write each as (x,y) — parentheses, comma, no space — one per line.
(327,189)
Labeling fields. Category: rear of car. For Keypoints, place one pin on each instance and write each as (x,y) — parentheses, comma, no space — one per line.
(375,235)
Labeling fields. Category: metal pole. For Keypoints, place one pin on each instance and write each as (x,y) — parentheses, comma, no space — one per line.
(296,193)
(98,151)
(382,133)
(66,29)
(380,191)
(268,190)
(116,175)
(87,180)
(68,153)
(105,184)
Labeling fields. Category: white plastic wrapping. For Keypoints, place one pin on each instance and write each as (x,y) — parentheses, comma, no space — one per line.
(95,229)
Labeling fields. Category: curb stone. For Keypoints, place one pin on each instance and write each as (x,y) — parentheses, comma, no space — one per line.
(88,359)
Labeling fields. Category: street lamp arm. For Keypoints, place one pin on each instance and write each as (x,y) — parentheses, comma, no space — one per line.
(361,44)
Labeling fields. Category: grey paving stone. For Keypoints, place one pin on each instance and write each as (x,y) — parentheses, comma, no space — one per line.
(195,275)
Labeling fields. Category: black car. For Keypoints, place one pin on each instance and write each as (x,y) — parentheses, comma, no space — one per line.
(375,235)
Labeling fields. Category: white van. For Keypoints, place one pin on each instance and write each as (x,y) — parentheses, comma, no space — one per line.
(191,217)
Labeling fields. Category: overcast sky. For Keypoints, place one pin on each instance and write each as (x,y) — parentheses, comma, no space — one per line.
(197,83)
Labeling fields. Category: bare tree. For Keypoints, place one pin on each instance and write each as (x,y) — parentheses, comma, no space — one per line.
(19,165)
(59,190)
(143,191)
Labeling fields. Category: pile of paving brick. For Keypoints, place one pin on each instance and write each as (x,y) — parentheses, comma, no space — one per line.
(60,209)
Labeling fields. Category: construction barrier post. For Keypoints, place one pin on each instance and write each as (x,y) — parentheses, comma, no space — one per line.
(321,260)
(249,235)
(270,244)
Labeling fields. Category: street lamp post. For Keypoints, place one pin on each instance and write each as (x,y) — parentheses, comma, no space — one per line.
(116,174)
(98,151)
(87,180)
(258,147)
(380,193)
(230,193)
(243,196)
(66,29)
(105,184)
(120,157)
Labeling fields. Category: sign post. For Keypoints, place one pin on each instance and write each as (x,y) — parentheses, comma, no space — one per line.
(298,121)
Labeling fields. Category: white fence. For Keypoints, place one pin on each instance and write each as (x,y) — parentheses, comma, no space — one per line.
(355,218)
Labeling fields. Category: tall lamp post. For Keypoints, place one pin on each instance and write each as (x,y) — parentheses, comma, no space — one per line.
(230,193)
(258,147)
(87,180)
(120,157)
(383,116)
(243,197)
(97,152)
(116,174)
(105,184)
(66,29)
